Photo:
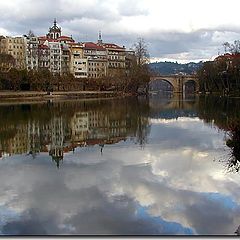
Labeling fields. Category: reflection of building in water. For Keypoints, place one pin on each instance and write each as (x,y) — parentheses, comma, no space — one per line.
(98,125)
(57,140)
(61,135)
(33,130)
(19,143)
(79,126)
(118,127)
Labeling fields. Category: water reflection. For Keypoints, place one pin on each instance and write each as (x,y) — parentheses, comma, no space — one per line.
(224,113)
(126,166)
(59,128)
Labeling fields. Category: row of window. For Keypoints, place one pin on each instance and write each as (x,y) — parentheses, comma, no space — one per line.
(80,74)
(95,75)
(116,57)
(14,46)
(16,41)
(18,53)
(84,63)
(96,64)
(115,64)
(34,62)
(55,51)
(96,69)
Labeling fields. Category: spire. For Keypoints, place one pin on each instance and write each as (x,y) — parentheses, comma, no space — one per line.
(55,22)
(99,37)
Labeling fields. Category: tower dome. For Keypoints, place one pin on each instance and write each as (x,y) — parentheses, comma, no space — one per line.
(54,32)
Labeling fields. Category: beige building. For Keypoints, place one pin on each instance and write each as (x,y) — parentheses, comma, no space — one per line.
(116,57)
(97,60)
(78,64)
(16,47)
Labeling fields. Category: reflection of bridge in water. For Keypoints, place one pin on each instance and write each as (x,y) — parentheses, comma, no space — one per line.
(178,82)
(169,107)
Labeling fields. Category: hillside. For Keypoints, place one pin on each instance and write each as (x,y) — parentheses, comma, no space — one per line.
(167,68)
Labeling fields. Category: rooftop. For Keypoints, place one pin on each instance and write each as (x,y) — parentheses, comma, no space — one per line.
(94,46)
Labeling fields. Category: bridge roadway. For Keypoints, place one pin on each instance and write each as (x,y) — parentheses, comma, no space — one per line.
(177,81)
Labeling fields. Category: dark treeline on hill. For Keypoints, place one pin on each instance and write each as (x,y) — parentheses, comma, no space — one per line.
(223,74)
(168,68)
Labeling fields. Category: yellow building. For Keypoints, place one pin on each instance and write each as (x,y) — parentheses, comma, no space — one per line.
(16,47)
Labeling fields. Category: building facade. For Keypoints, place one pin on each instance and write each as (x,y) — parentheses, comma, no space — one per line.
(16,47)
(62,55)
(78,64)
(43,57)
(116,57)
(97,60)
(31,46)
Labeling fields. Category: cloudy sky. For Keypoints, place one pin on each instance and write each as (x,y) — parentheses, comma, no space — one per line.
(182,30)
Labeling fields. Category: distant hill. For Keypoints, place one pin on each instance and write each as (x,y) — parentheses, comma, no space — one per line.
(168,68)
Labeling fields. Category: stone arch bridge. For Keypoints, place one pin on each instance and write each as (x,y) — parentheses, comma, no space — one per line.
(177,81)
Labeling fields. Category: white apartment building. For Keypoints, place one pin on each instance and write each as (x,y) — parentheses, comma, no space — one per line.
(55,56)
(31,45)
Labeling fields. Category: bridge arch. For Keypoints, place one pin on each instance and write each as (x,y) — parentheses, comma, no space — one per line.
(169,82)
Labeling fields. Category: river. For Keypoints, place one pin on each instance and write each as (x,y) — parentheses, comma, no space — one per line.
(131,166)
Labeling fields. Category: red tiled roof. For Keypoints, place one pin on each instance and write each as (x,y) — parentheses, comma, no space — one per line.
(91,45)
(112,45)
(227,56)
(43,37)
(52,40)
(65,37)
(43,46)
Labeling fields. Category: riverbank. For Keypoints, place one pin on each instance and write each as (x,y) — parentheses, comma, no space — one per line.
(35,95)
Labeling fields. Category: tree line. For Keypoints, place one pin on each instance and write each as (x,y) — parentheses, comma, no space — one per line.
(222,74)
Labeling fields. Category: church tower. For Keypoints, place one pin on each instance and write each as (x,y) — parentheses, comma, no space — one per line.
(54,32)
(100,38)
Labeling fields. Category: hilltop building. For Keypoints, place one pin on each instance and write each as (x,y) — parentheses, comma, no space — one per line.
(61,55)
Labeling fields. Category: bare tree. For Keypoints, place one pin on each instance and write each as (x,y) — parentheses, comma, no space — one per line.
(226,46)
(233,48)
(31,33)
(142,55)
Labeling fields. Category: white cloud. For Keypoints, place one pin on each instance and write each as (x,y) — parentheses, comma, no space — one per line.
(182,31)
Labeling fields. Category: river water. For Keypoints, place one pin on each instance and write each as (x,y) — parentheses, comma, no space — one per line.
(146,166)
